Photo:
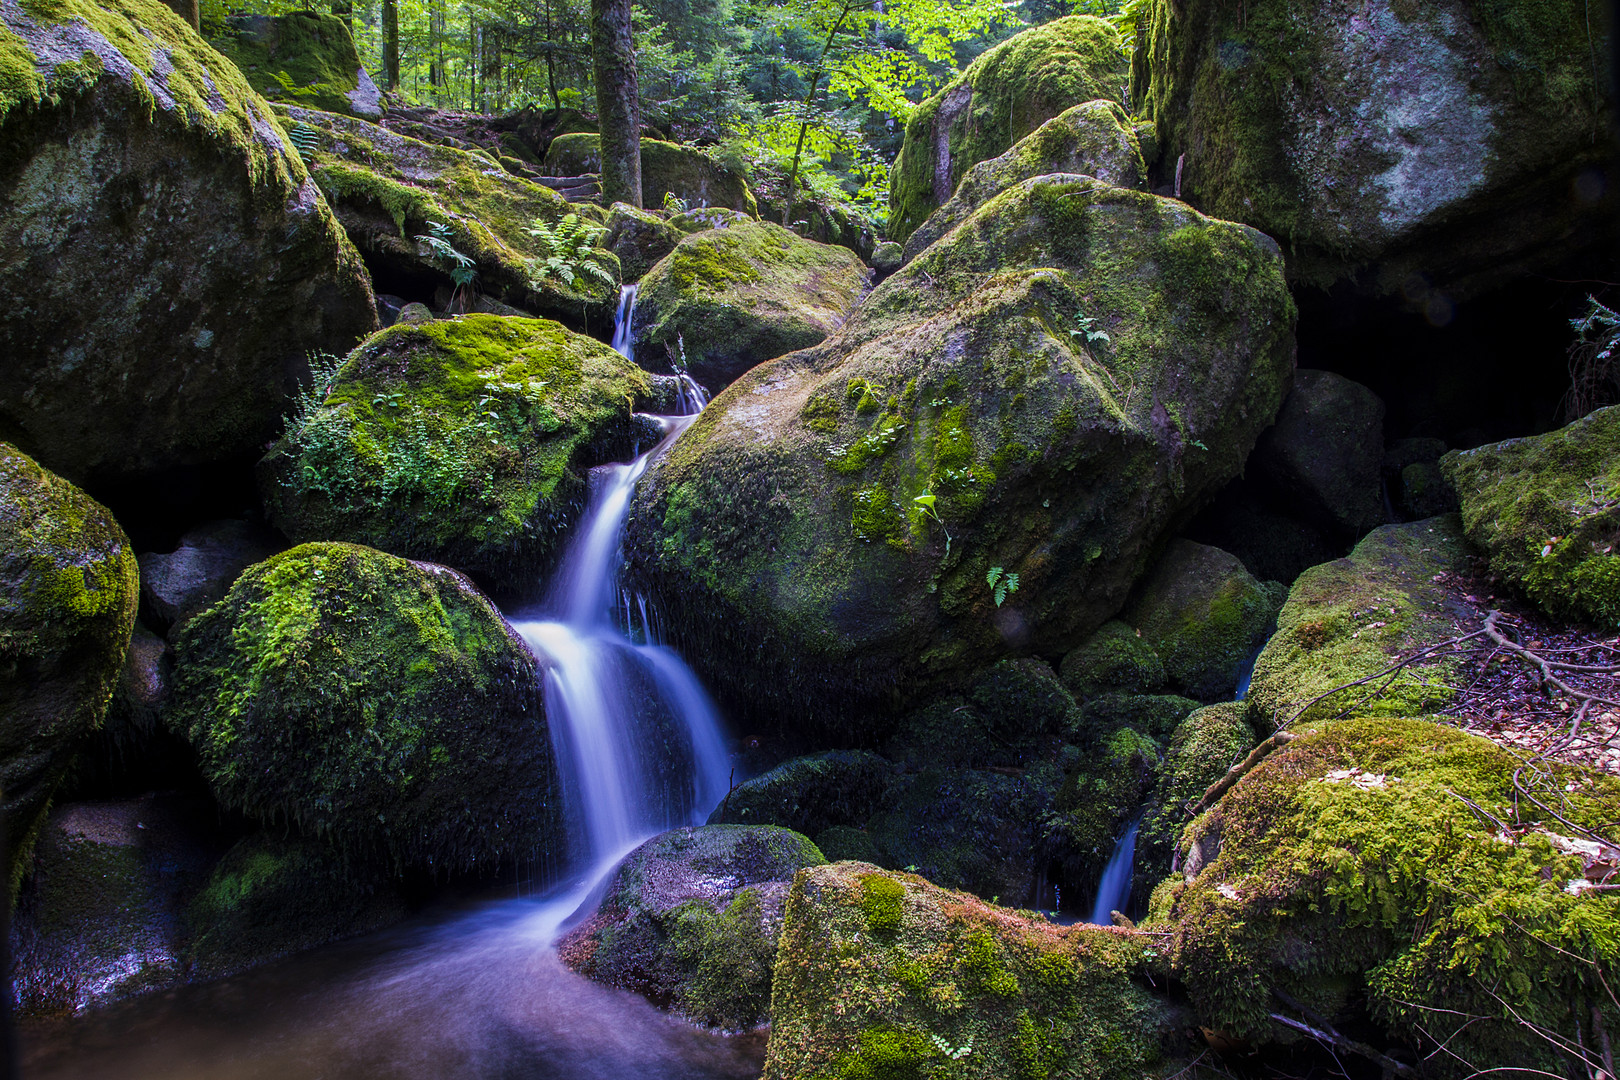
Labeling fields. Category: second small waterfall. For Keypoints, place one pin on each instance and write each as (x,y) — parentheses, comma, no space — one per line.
(1114,890)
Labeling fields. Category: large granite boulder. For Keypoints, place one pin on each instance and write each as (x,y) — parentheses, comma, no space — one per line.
(691,919)
(168,261)
(303,57)
(726,299)
(69,590)
(948,984)
(1408,148)
(465,441)
(1324,455)
(1393,872)
(1002,96)
(1094,139)
(381,705)
(1547,511)
(686,172)
(979,463)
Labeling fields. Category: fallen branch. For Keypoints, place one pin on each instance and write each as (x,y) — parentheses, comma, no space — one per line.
(1541,664)
(1334,1038)
(1390,670)
(1241,769)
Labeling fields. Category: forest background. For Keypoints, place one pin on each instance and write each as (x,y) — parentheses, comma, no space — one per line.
(746,79)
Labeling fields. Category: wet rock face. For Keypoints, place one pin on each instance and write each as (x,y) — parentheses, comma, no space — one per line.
(1413,148)
(1324,454)
(691,919)
(379,704)
(68,595)
(830,532)
(144,172)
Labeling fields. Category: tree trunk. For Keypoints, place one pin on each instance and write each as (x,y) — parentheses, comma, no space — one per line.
(390,29)
(618,101)
(188,10)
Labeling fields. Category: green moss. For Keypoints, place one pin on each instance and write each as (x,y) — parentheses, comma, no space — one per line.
(1350,618)
(1114,659)
(1010,91)
(1544,508)
(1351,863)
(463,441)
(666,169)
(304,56)
(729,961)
(810,794)
(882,902)
(886,1054)
(1204,745)
(68,594)
(380,705)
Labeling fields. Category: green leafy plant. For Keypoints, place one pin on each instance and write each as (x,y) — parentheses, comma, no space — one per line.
(1003,583)
(952,1053)
(323,371)
(674,204)
(1086,333)
(462,269)
(569,253)
(305,140)
(1594,360)
(925,503)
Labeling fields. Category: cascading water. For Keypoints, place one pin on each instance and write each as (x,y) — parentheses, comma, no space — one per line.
(1114,890)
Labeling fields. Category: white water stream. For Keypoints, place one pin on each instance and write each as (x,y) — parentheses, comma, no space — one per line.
(1114,890)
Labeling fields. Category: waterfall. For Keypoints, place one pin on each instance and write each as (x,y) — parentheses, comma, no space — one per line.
(623,331)
(1114,890)
(637,739)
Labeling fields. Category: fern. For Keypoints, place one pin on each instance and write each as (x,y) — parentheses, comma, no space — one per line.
(463,270)
(674,204)
(1003,583)
(305,140)
(569,254)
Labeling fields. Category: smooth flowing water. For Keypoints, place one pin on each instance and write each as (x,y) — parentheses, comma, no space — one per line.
(479,993)
(1114,890)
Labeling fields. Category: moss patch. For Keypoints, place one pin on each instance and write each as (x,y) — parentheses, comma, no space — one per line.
(304,57)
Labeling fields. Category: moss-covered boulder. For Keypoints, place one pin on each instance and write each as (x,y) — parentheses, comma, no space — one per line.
(730,298)
(811,794)
(1324,454)
(69,590)
(1392,867)
(639,239)
(691,919)
(378,704)
(1043,393)
(464,441)
(1156,715)
(273,895)
(825,220)
(1094,139)
(1204,746)
(303,57)
(1004,95)
(1115,659)
(885,975)
(1205,616)
(685,172)
(1407,147)
(388,190)
(1348,620)
(101,915)
(140,166)
(1547,511)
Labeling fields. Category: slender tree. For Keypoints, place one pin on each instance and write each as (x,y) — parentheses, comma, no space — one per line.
(618,100)
(390,29)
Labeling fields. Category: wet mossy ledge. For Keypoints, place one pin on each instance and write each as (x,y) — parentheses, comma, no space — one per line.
(1002,96)
(161,173)
(69,589)
(465,441)
(1047,391)
(730,297)
(377,704)
(886,975)
(1291,117)
(1398,867)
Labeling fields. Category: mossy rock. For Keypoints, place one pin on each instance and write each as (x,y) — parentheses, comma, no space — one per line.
(1204,746)
(1205,616)
(166,183)
(1023,699)
(946,982)
(387,188)
(303,57)
(381,705)
(731,297)
(100,917)
(271,896)
(784,533)
(1115,659)
(708,217)
(464,441)
(1547,511)
(691,919)
(1324,454)
(1294,119)
(1005,94)
(1103,789)
(1351,618)
(69,589)
(639,239)
(811,794)
(1094,139)
(1156,715)
(666,169)
(1380,863)
(844,844)
(826,221)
